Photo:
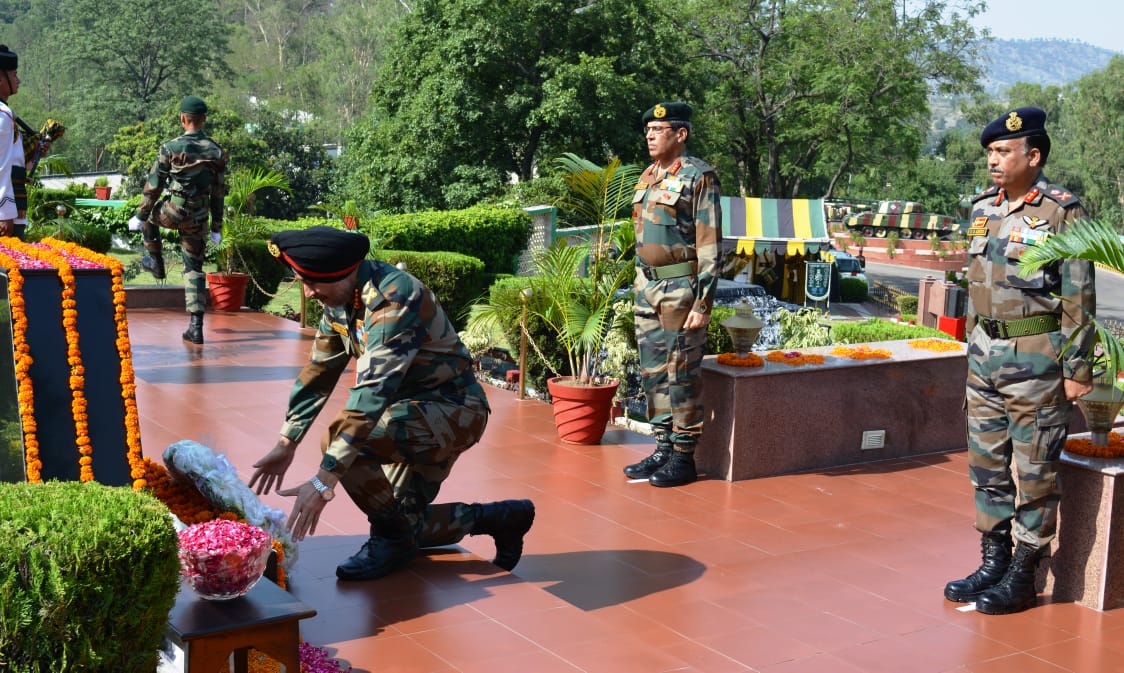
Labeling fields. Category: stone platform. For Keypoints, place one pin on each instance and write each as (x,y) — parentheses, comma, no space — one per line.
(777,419)
(1085,565)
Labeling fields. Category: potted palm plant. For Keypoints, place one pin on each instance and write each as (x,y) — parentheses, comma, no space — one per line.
(1098,242)
(102,190)
(573,292)
(227,285)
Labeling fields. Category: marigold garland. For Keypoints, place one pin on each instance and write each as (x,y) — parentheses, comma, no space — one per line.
(77,379)
(794,358)
(934,344)
(124,353)
(861,352)
(22,352)
(733,360)
(1084,446)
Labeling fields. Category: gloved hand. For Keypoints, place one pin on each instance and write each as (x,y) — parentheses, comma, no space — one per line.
(216,237)
(135,223)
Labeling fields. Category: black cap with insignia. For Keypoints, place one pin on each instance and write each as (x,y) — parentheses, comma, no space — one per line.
(8,58)
(668,111)
(1018,123)
(320,254)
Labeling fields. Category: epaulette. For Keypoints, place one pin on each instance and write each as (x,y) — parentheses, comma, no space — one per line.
(985,194)
(698,163)
(1062,196)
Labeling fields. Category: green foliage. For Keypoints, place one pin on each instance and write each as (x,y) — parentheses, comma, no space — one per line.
(852,290)
(803,329)
(240,227)
(873,329)
(101,181)
(907,303)
(88,575)
(456,279)
(717,338)
(42,203)
(495,236)
(474,91)
(86,234)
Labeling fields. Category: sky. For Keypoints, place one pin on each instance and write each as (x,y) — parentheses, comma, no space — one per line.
(1098,22)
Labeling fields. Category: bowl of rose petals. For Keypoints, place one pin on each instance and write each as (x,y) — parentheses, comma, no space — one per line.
(223,559)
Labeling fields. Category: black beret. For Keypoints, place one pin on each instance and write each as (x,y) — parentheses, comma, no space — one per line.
(8,59)
(668,111)
(193,105)
(1018,123)
(320,254)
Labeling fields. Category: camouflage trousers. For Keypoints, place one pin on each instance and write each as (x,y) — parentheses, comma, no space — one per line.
(409,454)
(670,358)
(1017,411)
(191,223)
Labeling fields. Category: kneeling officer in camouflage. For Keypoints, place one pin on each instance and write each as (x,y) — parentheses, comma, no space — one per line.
(414,409)
(186,184)
(1028,350)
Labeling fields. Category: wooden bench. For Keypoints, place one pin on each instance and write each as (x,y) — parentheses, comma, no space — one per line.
(209,632)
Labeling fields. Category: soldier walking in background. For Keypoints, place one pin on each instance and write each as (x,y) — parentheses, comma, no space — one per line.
(1023,369)
(678,221)
(186,184)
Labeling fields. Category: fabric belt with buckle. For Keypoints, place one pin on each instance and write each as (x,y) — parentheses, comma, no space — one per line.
(676,270)
(1006,329)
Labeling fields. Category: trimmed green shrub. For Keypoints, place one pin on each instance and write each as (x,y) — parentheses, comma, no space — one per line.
(456,279)
(718,340)
(873,329)
(493,235)
(267,273)
(852,290)
(907,303)
(88,575)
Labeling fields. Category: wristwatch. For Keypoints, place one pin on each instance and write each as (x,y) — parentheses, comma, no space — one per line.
(322,489)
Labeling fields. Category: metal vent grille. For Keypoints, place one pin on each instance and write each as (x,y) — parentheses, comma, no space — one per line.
(873,439)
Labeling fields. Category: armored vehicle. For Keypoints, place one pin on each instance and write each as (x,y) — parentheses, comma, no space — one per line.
(908,218)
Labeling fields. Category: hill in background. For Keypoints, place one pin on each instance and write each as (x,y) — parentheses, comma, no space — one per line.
(1039,61)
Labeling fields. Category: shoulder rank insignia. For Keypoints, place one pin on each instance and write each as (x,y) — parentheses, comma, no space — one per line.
(1062,196)
(990,191)
(339,329)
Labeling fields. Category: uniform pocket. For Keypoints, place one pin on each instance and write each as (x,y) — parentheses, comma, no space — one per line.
(666,198)
(1050,426)
(977,248)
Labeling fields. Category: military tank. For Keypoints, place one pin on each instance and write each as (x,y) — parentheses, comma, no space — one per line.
(907,218)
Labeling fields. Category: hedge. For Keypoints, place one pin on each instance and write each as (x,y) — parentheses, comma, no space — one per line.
(456,279)
(495,236)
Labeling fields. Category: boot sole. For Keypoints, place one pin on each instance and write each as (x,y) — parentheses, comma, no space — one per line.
(521,534)
(984,609)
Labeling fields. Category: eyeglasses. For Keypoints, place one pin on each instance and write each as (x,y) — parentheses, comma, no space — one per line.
(657,129)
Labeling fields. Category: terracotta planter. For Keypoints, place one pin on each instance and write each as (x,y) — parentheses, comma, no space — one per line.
(350,222)
(580,412)
(227,290)
(102,193)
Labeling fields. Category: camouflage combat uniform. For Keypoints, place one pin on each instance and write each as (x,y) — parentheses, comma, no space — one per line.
(1016,405)
(189,175)
(414,408)
(678,223)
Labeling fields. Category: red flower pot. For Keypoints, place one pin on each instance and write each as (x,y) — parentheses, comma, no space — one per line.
(102,193)
(581,412)
(227,290)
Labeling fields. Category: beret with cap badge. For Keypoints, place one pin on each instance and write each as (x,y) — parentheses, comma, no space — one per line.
(8,58)
(193,105)
(1018,123)
(667,111)
(320,254)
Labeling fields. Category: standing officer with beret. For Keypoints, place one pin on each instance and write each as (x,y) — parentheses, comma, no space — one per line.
(13,191)
(678,222)
(191,169)
(414,408)
(1023,370)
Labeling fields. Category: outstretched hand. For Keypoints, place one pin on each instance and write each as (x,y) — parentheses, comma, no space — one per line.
(270,470)
(306,510)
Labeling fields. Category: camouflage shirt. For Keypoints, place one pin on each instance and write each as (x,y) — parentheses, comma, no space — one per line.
(999,234)
(192,169)
(679,219)
(406,349)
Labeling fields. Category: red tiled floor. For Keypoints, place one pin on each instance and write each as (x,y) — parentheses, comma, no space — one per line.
(838,571)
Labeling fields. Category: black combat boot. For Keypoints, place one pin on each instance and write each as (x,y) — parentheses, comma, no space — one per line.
(194,332)
(391,545)
(678,470)
(153,262)
(1015,592)
(507,522)
(649,465)
(996,550)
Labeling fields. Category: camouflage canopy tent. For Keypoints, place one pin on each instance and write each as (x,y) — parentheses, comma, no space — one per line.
(773,238)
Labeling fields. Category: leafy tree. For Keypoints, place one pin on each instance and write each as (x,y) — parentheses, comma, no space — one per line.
(809,92)
(1096,124)
(476,91)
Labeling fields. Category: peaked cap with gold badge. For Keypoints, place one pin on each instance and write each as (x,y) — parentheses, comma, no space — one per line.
(1018,123)
(320,254)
